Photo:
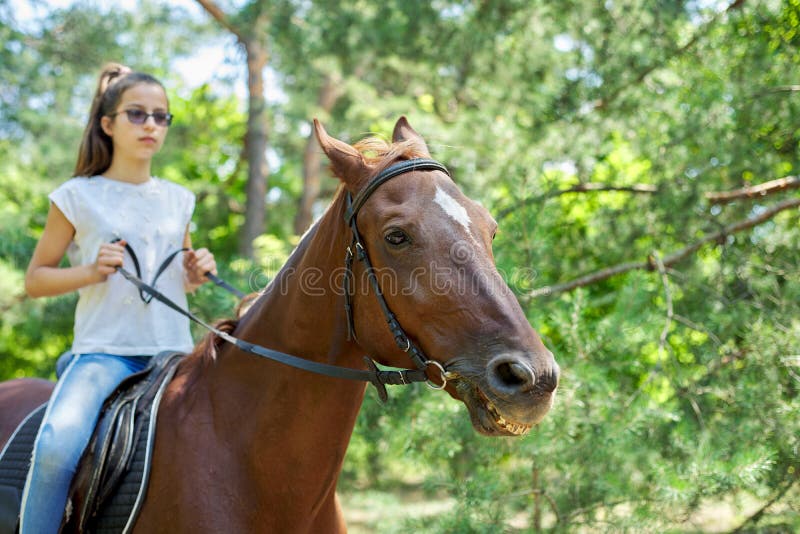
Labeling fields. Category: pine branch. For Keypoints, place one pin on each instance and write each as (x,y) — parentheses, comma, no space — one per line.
(662,340)
(777,89)
(675,53)
(579,188)
(761,511)
(760,190)
(668,260)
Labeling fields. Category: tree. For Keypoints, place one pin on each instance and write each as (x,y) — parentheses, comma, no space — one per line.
(249,26)
(641,161)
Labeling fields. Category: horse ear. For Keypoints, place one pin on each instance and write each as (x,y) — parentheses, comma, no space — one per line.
(404,132)
(347,162)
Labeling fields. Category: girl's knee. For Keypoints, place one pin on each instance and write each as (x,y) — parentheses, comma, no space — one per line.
(58,448)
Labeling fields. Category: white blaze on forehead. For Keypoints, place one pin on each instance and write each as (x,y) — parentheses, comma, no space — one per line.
(452,208)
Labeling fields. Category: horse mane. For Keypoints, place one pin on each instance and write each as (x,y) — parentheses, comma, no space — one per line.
(378,154)
(209,346)
(207,349)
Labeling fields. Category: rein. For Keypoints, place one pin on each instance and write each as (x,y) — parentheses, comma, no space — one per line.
(147,296)
(375,376)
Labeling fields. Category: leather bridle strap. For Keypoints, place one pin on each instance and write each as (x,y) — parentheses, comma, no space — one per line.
(403,167)
(357,250)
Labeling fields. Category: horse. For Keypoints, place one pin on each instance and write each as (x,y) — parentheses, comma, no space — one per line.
(247,444)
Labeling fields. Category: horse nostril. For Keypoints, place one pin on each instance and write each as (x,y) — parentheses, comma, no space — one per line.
(515,375)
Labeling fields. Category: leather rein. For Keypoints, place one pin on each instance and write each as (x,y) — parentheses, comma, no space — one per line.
(356,250)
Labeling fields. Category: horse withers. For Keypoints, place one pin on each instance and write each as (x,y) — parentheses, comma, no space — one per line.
(399,268)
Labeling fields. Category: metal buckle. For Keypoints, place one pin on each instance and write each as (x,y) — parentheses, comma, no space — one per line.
(442,375)
(361,252)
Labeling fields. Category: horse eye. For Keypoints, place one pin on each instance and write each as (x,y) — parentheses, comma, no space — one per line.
(396,238)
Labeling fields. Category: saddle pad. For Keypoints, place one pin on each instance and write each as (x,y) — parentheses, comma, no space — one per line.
(114,515)
(119,508)
(15,459)
(123,506)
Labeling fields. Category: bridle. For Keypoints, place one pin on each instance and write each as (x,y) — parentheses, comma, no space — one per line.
(374,375)
(357,250)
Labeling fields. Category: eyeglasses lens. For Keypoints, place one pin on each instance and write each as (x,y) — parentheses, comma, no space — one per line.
(138,116)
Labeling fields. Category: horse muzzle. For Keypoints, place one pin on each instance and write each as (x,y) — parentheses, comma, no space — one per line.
(514,392)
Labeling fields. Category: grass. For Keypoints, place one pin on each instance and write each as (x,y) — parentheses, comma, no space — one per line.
(371,511)
(384,511)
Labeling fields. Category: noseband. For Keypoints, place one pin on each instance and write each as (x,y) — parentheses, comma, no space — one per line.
(356,249)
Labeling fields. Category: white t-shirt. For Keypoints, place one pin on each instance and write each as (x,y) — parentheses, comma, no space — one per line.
(152,217)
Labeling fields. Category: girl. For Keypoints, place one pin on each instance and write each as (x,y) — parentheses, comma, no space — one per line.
(112,200)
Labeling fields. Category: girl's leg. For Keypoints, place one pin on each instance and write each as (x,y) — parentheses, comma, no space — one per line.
(67,426)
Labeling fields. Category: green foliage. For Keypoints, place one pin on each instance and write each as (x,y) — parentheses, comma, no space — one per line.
(680,390)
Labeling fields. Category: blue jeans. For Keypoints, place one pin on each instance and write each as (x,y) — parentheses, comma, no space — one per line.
(66,429)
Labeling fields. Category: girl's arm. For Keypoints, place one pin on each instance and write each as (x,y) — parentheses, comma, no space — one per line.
(196,263)
(44,278)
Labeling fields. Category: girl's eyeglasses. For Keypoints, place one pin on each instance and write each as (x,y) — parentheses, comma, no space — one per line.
(139,116)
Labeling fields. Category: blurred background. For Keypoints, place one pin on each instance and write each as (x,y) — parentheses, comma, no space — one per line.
(640,157)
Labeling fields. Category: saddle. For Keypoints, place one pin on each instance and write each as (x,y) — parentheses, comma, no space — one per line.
(111,481)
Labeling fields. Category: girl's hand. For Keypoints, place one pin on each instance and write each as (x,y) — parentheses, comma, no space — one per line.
(196,264)
(109,257)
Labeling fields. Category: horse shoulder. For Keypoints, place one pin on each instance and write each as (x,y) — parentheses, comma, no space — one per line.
(183,465)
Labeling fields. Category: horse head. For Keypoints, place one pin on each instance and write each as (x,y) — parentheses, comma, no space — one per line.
(430,250)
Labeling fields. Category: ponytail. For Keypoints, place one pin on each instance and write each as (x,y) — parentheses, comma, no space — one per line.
(97,149)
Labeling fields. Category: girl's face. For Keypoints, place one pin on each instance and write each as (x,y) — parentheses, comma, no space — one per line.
(138,141)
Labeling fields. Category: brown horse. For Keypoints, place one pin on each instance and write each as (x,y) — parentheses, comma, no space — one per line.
(245,444)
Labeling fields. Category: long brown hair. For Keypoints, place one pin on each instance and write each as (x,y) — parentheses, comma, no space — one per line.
(97,150)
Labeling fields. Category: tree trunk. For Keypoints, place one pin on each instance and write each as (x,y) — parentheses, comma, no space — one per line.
(329,93)
(255,141)
(255,148)
(537,501)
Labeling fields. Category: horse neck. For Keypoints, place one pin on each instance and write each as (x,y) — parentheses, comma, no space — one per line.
(301,312)
(296,409)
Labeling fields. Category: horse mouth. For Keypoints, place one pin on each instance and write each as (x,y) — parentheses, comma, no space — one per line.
(514,429)
(485,416)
